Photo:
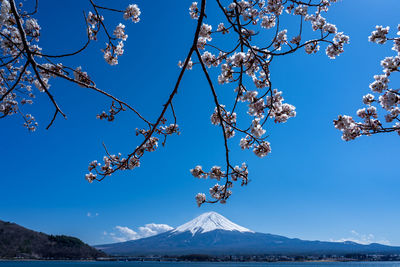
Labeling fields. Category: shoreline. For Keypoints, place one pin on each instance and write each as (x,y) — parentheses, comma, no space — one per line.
(183,261)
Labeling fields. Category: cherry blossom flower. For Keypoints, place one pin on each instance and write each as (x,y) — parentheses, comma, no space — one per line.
(194,11)
(132,12)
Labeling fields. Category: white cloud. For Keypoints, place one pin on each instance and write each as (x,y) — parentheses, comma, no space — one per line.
(125,233)
(91,215)
(364,239)
(153,229)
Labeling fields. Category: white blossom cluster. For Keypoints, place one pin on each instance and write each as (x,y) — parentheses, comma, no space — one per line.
(16,76)
(112,112)
(113,50)
(189,64)
(382,94)
(132,12)
(194,11)
(246,64)
(220,193)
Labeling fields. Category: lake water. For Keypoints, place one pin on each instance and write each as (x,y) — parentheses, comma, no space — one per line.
(186,264)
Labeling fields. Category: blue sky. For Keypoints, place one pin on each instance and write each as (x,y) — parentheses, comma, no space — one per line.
(312,186)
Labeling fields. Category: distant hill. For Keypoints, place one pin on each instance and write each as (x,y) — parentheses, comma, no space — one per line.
(213,234)
(19,242)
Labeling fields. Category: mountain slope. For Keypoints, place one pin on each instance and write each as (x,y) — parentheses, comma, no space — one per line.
(220,242)
(213,234)
(17,241)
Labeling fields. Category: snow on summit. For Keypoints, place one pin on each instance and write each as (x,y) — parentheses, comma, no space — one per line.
(210,221)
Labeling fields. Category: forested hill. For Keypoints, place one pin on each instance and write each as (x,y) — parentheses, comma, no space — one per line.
(19,242)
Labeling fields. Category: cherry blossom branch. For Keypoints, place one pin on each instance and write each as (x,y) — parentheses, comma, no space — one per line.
(245,64)
(387,98)
(86,85)
(114,163)
(20,34)
(239,65)
(16,82)
(218,107)
(33,62)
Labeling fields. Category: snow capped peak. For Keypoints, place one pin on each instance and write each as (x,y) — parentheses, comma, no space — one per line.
(210,221)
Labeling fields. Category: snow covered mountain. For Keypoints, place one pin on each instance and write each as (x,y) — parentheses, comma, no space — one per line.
(208,222)
(213,234)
